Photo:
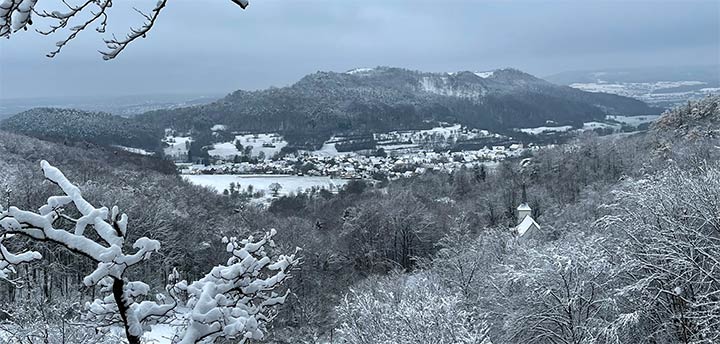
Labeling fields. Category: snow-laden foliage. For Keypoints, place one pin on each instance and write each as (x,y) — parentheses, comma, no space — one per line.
(16,15)
(8,260)
(232,301)
(697,118)
(117,305)
(671,253)
(557,293)
(407,310)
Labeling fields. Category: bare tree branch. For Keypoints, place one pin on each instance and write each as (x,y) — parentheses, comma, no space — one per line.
(16,15)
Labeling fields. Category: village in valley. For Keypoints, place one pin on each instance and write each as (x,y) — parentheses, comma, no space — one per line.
(237,168)
(262,166)
(262,159)
(355,165)
(390,156)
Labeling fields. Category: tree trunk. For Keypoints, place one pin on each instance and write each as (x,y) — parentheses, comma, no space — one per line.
(118,294)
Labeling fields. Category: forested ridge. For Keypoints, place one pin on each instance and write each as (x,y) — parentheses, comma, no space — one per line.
(76,125)
(386,98)
(626,253)
(324,104)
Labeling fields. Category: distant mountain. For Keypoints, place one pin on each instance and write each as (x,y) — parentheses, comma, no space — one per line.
(356,102)
(76,125)
(383,98)
(658,86)
(125,105)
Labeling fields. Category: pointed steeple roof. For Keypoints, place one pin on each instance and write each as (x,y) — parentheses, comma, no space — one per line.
(526,224)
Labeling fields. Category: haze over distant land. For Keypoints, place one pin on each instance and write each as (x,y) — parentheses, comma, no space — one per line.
(275,43)
(121,105)
(659,86)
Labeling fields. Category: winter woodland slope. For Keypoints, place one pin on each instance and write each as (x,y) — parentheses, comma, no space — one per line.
(77,125)
(623,219)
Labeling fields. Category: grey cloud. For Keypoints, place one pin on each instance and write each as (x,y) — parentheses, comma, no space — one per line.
(213,47)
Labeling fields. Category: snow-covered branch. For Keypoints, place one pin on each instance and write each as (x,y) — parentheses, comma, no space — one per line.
(115,45)
(232,301)
(8,260)
(118,305)
(16,15)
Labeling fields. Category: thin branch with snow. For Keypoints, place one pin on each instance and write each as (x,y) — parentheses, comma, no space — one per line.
(16,15)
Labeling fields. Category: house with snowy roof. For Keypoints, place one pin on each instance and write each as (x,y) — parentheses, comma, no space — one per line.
(527,227)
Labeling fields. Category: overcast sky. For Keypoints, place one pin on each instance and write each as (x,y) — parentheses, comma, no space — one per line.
(211,46)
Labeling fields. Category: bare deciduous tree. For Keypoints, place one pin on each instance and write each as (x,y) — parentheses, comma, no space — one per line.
(407,309)
(555,294)
(670,256)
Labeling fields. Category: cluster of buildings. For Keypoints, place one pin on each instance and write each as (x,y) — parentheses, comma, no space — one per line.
(355,166)
(439,136)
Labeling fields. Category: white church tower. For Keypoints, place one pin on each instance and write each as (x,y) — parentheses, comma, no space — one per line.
(523,210)
(526,224)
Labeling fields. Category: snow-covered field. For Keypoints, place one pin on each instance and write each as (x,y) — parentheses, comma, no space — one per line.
(404,140)
(632,120)
(135,150)
(612,123)
(407,140)
(289,183)
(444,131)
(328,149)
(269,144)
(599,125)
(224,150)
(633,88)
(389,148)
(177,146)
(660,93)
(540,130)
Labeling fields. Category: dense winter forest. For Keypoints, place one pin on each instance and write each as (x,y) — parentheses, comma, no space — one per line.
(452,200)
(628,250)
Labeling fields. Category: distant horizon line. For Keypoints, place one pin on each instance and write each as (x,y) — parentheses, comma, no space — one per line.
(226,92)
